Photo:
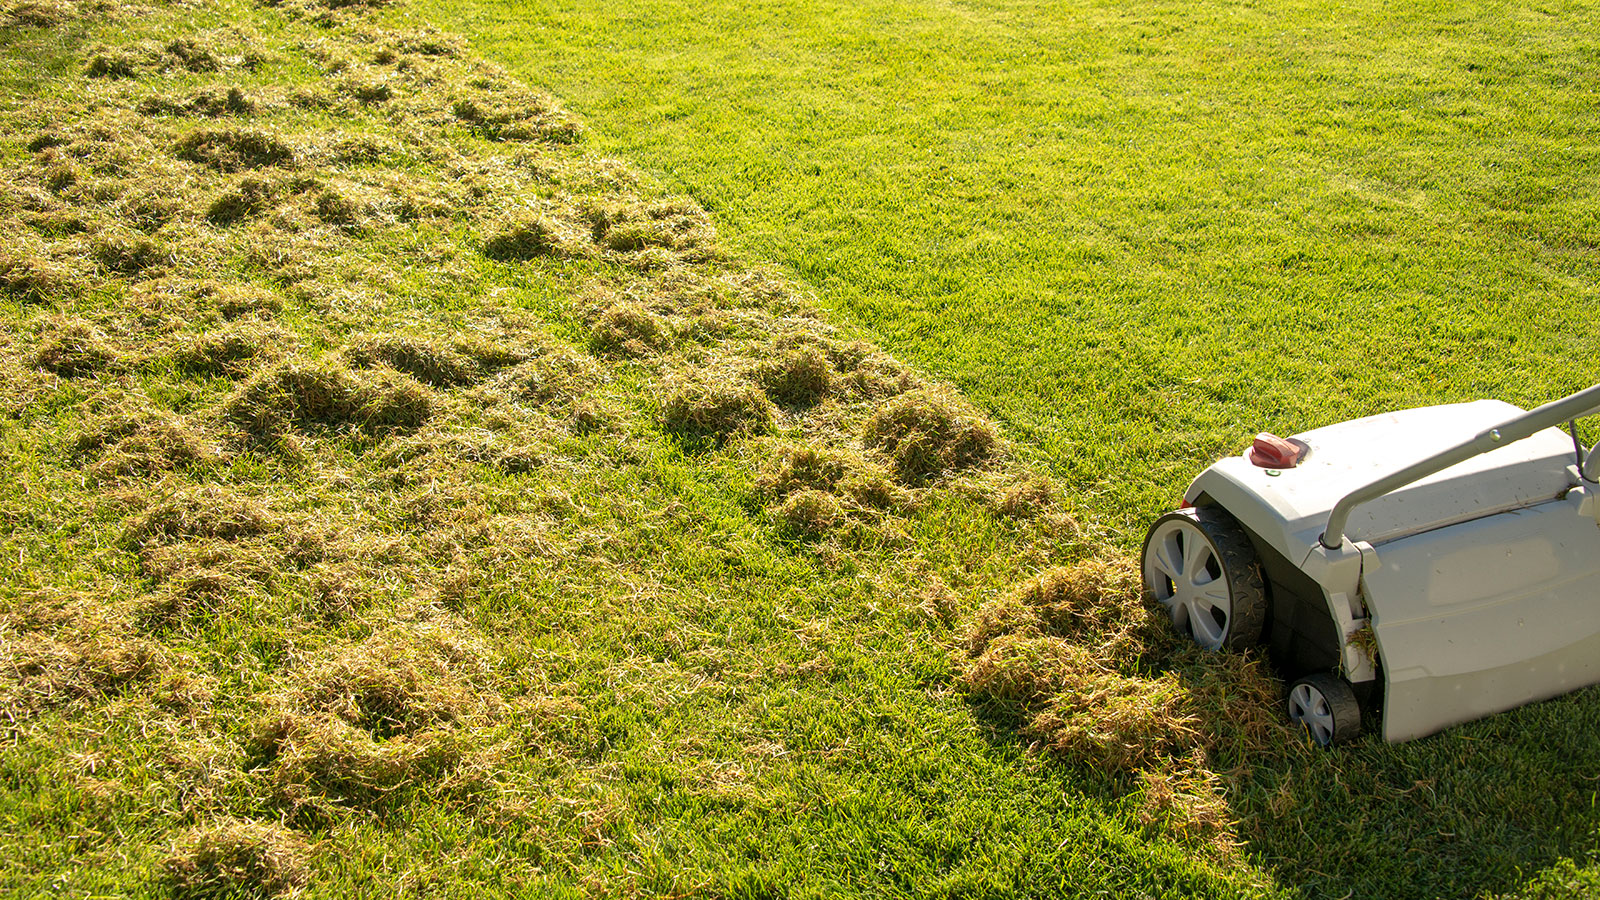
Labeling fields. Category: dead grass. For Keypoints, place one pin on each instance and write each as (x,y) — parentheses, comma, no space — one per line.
(1026,499)
(713,404)
(193,55)
(1106,720)
(427,41)
(141,442)
(1080,707)
(931,432)
(516,116)
(128,253)
(402,681)
(165,308)
(233,150)
(871,374)
(149,210)
(367,90)
(195,596)
(361,150)
(207,511)
(299,393)
(36,14)
(336,209)
(235,858)
(808,514)
(554,375)
(528,238)
(1096,602)
(56,223)
(795,379)
(1237,700)
(60,175)
(441,364)
(74,349)
(1095,677)
(628,329)
(389,713)
(233,300)
(44,140)
(429,361)
(34,278)
(231,350)
(116,64)
(250,197)
(1190,803)
(348,4)
(254,560)
(842,472)
(209,102)
(38,671)
(813,466)
(629,225)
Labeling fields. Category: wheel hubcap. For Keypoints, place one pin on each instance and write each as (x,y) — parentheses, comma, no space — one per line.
(1184,573)
(1310,708)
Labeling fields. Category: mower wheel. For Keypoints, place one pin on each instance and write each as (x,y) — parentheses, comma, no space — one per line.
(1200,565)
(1326,705)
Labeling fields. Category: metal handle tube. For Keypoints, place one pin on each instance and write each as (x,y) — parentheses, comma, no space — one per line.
(1576,406)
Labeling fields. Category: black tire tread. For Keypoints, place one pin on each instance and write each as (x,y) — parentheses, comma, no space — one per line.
(1342,703)
(1247,587)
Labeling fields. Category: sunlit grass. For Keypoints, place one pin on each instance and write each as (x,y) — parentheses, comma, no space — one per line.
(568,638)
(1135,232)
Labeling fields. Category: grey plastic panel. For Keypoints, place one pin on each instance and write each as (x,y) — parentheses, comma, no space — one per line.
(1485,616)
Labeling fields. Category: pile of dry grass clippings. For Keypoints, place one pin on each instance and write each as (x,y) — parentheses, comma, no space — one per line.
(268,328)
(1096,676)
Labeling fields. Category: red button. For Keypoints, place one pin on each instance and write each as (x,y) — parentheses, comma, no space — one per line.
(1272,452)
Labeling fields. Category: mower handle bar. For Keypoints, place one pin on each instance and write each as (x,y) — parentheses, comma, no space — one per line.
(1583,403)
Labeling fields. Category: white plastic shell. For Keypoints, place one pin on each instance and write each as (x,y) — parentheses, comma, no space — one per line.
(1481,582)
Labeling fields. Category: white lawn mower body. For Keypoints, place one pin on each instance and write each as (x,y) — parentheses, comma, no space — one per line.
(1442,563)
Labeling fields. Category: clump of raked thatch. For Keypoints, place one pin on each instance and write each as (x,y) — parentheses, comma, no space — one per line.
(713,404)
(809,514)
(141,440)
(33,277)
(796,378)
(530,236)
(206,511)
(234,149)
(359,724)
(237,858)
(1096,676)
(633,225)
(629,329)
(439,363)
(931,432)
(73,349)
(298,393)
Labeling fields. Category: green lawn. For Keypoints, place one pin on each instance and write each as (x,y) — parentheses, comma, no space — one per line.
(345,550)
(1136,232)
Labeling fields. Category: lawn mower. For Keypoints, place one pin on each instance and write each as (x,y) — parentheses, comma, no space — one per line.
(1432,566)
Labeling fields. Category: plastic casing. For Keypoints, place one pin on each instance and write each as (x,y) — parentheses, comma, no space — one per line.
(1480,583)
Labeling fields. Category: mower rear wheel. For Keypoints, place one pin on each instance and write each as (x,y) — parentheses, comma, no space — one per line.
(1326,706)
(1199,564)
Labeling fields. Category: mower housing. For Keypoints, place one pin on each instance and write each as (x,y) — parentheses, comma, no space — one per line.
(1467,590)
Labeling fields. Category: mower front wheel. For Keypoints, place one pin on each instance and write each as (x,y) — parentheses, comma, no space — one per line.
(1200,565)
(1326,706)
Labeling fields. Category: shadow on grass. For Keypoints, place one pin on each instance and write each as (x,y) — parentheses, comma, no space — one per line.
(1478,809)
